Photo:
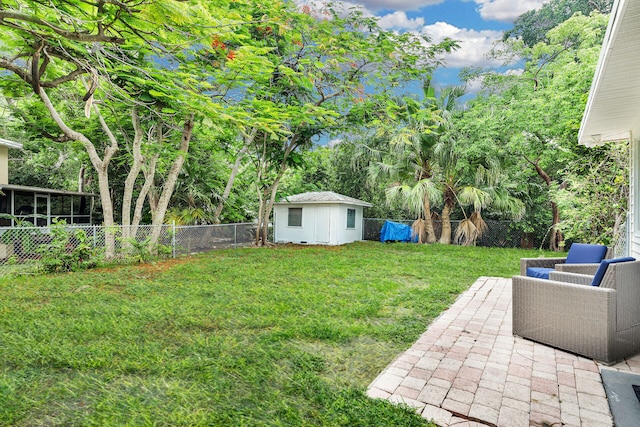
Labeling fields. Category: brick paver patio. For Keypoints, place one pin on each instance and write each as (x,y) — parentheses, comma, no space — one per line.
(468,369)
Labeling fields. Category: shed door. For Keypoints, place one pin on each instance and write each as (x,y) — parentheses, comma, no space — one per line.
(323,224)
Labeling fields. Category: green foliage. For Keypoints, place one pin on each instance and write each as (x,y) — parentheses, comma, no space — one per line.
(139,251)
(595,197)
(67,251)
(270,337)
(349,176)
(528,123)
(532,26)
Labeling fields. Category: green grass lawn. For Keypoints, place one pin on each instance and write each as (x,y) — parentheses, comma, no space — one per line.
(287,336)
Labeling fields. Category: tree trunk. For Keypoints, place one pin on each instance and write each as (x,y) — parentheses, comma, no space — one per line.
(269,208)
(555,237)
(172,178)
(262,167)
(132,176)
(445,236)
(81,179)
(269,191)
(149,173)
(234,172)
(428,222)
(101,166)
(149,176)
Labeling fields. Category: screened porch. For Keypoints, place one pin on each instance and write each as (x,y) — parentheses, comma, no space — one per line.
(40,206)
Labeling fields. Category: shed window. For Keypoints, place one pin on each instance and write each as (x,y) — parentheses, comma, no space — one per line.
(295,217)
(351,218)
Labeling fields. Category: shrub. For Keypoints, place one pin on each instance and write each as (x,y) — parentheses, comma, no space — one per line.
(144,250)
(68,250)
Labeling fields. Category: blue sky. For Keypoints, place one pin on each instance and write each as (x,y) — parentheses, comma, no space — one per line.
(476,24)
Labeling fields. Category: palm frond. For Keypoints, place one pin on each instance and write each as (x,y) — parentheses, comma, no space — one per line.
(511,206)
(466,233)
(429,188)
(476,197)
(419,229)
(478,222)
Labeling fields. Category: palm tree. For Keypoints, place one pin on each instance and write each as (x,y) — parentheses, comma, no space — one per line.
(489,189)
(410,161)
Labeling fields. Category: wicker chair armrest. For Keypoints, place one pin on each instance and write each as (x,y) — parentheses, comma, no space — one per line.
(626,276)
(538,262)
(575,278)
(578,268)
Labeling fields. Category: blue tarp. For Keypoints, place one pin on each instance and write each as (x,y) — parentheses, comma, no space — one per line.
(396,232)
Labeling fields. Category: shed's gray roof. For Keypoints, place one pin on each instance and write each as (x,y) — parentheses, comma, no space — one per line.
(10,144)
(323,197)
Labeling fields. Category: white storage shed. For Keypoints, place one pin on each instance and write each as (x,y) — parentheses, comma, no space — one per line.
(319,218)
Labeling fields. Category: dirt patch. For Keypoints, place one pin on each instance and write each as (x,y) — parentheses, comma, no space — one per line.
(151,268)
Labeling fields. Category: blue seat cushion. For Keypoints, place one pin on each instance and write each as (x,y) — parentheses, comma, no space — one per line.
(597,278)
(539,272)
(584,253)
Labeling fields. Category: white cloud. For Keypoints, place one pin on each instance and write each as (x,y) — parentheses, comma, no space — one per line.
(515,72)
(334,142)
(474,86)
(400,20)
(474,44)
(505,10)
(318,8)
(370,6)
(397,4)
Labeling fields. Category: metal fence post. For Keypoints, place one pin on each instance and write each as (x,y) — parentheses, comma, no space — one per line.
(173,238)
(94,237)
(235,236)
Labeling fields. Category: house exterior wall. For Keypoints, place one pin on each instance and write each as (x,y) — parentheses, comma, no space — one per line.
(634,198)
(321,224)
(4,165)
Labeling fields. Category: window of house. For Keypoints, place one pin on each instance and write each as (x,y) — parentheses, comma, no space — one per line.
(295,217)
(24,206)
(57,205)
(351,218)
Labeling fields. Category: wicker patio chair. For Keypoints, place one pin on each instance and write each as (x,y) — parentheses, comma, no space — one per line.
(599,322)
(581,258)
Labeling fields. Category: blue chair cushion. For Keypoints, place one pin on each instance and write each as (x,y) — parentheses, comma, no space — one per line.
(539,272)
(584,253)
(597,278)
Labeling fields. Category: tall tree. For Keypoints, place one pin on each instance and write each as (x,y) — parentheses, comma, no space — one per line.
(532,26)
(409,162)
(330,60)
(155,62)
(531,119)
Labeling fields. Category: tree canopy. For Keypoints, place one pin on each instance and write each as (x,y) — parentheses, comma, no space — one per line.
(532,27)
(204,112)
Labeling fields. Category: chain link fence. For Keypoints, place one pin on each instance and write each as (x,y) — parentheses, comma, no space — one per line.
(502,234)
(21,248)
